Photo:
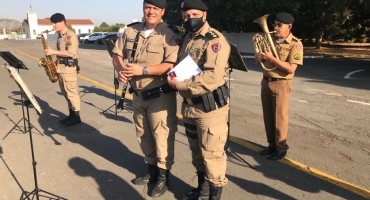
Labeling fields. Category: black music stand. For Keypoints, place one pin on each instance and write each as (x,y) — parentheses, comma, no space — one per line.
(235,62)
(109,45)
(28,101)
(17,64)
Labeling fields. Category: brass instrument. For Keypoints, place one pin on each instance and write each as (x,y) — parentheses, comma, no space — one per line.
(47,62)
(264,42)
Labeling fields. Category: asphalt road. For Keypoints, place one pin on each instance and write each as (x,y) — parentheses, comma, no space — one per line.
(329,135)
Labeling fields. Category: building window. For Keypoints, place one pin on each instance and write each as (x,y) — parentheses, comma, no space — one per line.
(79,31)
(34,32)
(89,30)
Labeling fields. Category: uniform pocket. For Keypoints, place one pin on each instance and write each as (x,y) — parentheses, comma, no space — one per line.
(216,137)
(154,49)
(71,82)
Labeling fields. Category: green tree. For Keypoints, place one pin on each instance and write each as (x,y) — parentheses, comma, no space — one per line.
(104,25)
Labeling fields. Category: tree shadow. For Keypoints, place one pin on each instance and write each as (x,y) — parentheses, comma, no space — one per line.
(286,174)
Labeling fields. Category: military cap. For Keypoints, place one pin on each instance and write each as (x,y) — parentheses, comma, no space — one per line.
(57,17)
(285,18)
(158,3)
(193,4)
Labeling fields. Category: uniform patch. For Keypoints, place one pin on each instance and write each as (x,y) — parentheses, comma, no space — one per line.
(178,42)
(297,57)
(69,37)
(298,47)
(216,47)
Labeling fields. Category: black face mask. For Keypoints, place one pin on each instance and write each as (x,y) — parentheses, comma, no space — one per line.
(194,24)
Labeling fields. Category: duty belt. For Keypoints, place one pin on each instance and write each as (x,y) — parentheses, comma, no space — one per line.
(218,96)
(269,79)
(68,62)
(153,93)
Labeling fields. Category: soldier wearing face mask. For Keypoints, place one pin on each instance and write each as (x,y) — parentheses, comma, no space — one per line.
(205,106)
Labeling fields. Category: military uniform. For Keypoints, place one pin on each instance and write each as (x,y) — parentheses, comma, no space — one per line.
(276,86)
(68,74)
(154,102)
(206,130)
(67,69)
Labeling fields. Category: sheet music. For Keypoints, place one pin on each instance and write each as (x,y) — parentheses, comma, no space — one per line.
(186,69)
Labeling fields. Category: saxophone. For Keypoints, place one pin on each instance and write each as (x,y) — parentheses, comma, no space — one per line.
(47,62)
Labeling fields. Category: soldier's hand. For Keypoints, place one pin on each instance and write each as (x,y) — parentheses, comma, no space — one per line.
(255,36)
(122,78)
(172,81)
(49,51)
(133,69)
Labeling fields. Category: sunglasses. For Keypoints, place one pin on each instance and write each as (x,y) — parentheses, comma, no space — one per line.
(278,24)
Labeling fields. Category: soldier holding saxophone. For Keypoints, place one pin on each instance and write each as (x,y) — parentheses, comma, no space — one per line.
(67,67)
(276,85)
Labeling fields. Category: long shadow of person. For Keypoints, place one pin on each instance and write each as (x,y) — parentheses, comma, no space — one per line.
(109,183)
(92,139)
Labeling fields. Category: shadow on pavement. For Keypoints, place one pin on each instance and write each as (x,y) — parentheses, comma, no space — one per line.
(102,145)
(288,175)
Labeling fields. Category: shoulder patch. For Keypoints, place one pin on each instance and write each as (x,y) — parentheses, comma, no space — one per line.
(211,35)
(216,47)
(133,24)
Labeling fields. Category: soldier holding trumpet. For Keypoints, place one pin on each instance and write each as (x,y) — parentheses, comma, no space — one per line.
(276,84)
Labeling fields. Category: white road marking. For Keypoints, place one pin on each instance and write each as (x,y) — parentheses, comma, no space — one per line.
(228,79)
(303,101)
(334,94)
(83,53)
(359,102)
(350,74)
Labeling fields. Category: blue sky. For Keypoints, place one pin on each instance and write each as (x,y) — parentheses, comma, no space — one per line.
(109,11)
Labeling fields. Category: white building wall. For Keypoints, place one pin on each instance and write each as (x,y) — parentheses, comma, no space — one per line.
(83,28)
(33,25)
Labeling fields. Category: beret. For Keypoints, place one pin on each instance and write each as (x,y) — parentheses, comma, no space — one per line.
(285,18)
(158,3)
(193,4)
(57,17)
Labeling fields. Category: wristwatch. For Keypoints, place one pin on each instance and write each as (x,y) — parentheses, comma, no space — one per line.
(145,70)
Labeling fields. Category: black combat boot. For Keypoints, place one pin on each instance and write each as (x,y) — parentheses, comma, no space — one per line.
(75,119)
(150,177)
(199,193)
(63,121)
(215,192)
(162,183)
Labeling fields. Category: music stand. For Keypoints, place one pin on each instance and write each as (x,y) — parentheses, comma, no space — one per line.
(17,64)
(109,45)
(30,100)
(235,62)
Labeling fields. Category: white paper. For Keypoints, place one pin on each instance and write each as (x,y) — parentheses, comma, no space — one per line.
(185,69)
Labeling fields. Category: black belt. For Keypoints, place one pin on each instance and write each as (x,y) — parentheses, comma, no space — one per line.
(216,93)
(154,92)
(194,101)
(269,79)
(68,61)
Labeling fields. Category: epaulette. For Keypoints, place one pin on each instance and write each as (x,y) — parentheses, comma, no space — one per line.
(211,35)
(295,38)
(174,28)
(133,23)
